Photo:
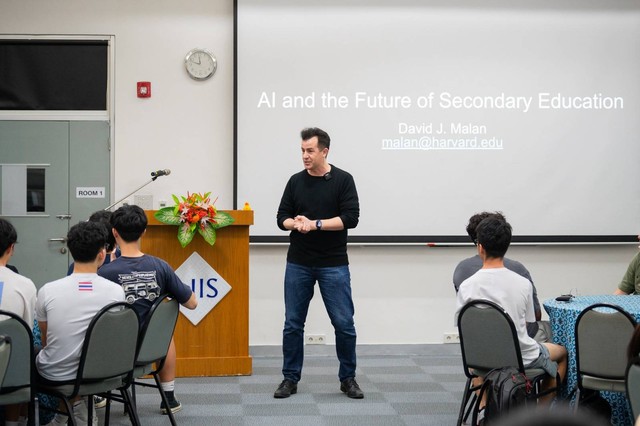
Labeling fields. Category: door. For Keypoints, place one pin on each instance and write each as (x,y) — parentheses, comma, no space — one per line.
(52,175)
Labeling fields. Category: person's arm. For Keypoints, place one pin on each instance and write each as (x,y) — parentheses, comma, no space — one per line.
(303,224)
(285,215)
(192,302)
(619,292)
(43,332)
(349,204)
(628,283)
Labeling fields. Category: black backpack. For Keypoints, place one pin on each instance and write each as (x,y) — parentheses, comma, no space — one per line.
(506,389)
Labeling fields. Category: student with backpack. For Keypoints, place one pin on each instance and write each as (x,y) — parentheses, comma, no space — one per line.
(513,293)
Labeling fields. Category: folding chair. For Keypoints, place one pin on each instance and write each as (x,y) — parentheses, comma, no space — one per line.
(153,345)
(5,353)
(16,385)
(633,386)
(106,360)
(602,337)
(488,340)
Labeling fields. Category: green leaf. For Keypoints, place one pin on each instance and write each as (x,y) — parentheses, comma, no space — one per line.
(184,237)
(209,234)
(175,199)
(222,219)
(167,215)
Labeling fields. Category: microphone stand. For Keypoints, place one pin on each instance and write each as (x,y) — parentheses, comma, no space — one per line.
(132,192)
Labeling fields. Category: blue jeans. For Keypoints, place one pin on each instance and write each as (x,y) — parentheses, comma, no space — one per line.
(335,287)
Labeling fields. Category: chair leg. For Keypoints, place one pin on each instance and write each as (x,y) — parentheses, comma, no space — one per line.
(34,412)
(577,402)
(131,408)
(133,392)
(107,409)
(89,409)
(69,405)
(471,405)
(463,405)
(164,399)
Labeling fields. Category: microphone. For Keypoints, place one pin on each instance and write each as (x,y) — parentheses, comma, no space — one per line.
(159,173)
(327,176)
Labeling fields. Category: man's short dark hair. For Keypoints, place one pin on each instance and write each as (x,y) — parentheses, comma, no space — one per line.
(8,236)
(104,217)
(130,221)
(85,240)
(476,219)
(494,234)
(324,141)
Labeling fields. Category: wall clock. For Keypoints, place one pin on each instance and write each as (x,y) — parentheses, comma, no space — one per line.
(200,64)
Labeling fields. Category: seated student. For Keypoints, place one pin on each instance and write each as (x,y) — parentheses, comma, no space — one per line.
(496,283)
(134,268)
(65,308)
(104,216)
(630,283)
(17,295)
(539,330)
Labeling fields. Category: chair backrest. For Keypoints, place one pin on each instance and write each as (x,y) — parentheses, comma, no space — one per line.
(156,333)
(110,343)
(602,337)
(20,365)
(633,386)
(488,337)
(5,353)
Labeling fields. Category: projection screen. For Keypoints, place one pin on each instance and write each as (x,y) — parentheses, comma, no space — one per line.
(443,109)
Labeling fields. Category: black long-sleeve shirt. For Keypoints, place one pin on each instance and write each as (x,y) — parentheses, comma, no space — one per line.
(317,197)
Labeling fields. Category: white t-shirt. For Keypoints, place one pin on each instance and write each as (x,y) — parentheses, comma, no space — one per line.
(17,295)
(513,293)
(67,306)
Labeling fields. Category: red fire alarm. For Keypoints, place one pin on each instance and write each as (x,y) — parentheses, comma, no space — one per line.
(144,89)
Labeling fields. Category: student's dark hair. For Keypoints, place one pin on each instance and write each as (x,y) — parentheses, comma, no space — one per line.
(324,141)
(476,219)
(8,235)
(104,217)
(85,240)
(494,234)
(130,221)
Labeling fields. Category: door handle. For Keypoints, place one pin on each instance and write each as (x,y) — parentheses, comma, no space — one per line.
(63,216)
(58,240)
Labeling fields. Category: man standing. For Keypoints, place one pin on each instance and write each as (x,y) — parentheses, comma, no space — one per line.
(511,291)
(17,295)
(65,308)
(145,278)
(318,206)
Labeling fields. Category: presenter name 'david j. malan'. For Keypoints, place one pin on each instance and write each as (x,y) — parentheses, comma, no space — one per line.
(457,128)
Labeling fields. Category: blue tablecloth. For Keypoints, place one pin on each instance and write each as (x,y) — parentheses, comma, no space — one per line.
(563,316)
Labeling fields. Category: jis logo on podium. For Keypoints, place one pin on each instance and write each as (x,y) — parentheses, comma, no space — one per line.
(208,286)
(204,289)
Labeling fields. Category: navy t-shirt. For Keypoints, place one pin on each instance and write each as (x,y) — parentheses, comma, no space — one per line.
(144,279)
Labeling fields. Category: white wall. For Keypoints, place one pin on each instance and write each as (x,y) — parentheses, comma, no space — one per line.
(405,294)
(402,294)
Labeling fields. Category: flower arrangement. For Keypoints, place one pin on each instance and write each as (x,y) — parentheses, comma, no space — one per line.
(194,212)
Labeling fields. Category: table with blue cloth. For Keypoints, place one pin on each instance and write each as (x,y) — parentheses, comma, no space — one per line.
(563,316)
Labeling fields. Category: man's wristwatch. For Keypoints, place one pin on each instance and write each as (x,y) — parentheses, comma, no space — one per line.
(319,225)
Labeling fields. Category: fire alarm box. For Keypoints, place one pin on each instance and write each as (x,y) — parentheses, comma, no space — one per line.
(144,89)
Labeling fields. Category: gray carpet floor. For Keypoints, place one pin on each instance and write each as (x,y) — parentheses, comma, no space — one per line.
(403,385)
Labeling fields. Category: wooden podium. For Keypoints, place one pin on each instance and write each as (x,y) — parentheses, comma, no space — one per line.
(219,344)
